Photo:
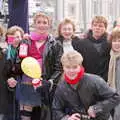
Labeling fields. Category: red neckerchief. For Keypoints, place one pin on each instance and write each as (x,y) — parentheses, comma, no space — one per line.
(77,78)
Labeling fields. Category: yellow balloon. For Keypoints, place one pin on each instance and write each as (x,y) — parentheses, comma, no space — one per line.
(31,67)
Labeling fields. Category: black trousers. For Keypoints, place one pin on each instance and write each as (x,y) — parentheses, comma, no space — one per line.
(36,113)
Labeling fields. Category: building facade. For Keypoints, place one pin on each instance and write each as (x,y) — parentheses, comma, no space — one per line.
(82,11)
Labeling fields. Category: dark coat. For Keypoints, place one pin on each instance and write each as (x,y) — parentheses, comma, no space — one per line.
(52,68)
(5,94)
(95,62)
(92,90)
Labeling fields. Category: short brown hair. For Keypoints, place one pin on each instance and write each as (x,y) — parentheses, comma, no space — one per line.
(100,19)
(65,21)
(72,57)
(115,34)
(41,14)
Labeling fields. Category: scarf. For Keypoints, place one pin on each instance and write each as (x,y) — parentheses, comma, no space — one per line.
(36,36)
(76,79)
(112,68)
(11,53)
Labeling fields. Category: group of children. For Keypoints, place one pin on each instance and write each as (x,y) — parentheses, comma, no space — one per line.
(79,95)
(47,51)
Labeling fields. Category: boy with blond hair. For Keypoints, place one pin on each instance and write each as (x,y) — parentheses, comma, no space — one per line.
(81,95)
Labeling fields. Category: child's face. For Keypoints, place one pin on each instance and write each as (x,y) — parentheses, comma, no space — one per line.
(98,29)
(116,45)
(71,70)
(15,39)
(42,25)
(67,31)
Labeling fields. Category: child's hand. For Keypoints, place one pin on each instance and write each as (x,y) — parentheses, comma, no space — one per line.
(26,36)
(91,112)
(11,82)
(36,83)
(75,116)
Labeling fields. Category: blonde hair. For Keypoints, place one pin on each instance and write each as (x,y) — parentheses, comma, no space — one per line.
(64,22)
(40,14)
(72,57)
(100,19)
(2,30)
(115,34)
(13,29)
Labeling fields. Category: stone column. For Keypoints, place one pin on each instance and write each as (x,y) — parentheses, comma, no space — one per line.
(59,10)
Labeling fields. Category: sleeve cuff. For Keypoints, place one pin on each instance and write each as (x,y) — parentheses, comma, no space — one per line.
(51,84)
(11,89)
(65,117)
(97,109)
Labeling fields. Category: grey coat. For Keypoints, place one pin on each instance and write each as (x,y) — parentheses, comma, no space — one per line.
(92,90)
(117,82)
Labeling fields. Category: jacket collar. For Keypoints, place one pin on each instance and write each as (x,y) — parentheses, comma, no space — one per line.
(51,38)
(92,39)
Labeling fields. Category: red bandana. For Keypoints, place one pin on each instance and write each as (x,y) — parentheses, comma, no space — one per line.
(77,78)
